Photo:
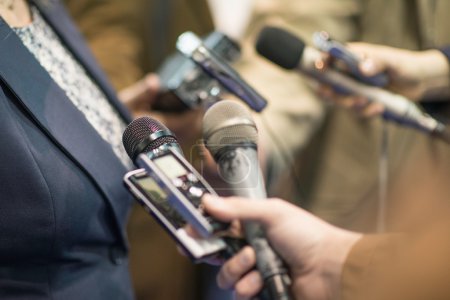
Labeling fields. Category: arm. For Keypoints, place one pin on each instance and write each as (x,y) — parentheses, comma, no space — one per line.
(414,74)
(418,75)
(314,250)
(330,263)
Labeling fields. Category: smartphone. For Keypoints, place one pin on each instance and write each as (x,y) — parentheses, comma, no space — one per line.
(155,201)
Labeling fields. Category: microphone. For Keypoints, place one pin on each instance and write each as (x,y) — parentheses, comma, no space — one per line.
(290,52)
(153,147)
(230,135)
(192,46)
(146,135)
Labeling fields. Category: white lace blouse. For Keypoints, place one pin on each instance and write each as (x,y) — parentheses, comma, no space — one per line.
(64,69)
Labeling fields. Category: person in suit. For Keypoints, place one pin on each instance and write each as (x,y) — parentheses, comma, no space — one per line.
(63,205)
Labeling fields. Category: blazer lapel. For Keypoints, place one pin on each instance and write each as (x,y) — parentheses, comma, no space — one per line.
(62,122)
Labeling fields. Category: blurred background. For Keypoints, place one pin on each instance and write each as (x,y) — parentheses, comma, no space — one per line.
(320,156)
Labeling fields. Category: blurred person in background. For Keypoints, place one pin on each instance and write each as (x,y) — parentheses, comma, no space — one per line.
(341,166)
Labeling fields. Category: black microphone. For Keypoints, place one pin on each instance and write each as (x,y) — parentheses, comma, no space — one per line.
(146,135)
(230,135)
(192,46)
(289,52)
(153,147)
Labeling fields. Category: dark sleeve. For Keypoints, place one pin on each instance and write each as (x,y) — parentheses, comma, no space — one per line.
(412,266)
(446,51)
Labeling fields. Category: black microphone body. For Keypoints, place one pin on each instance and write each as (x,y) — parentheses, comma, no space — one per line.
(154,148)
(289,52)
(233,145)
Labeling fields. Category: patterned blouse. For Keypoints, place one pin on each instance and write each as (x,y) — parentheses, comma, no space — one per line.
(63,68)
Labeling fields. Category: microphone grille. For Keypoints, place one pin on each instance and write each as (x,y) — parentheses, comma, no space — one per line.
(136,136)
(280,47)
(228,123)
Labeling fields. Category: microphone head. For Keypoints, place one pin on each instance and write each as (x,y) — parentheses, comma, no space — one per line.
(145,135)
(228,123)
(188,42)
(280,47)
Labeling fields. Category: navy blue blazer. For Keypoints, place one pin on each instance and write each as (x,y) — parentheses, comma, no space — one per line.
(63,206)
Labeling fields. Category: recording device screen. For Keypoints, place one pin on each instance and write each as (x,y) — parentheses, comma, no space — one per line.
(170,166)
(159,199)
(155,200)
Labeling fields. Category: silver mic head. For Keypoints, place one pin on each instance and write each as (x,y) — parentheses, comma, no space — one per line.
(228,124)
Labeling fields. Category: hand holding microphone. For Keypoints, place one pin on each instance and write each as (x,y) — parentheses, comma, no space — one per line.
(231,137)
(314,250)
(289,52)
(416,75)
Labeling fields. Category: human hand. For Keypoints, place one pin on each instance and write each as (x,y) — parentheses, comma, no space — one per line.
(313,250)
(141,96)
(413,74)
(144,98)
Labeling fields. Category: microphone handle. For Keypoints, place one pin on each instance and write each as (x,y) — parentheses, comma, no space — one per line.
(275,276)
(239,166)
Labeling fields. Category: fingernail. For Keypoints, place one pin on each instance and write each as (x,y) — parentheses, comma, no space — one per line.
(368,66)
(255,279)
(244,260)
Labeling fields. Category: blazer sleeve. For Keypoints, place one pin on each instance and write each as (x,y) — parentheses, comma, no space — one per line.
(446,51)
(410,266)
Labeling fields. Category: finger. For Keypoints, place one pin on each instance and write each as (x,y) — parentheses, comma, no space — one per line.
(374,109)
(328,94)
(228,209)
(143,92)
(192,232)
(249,286)
(370,67)
(153,82)
(349,102)
(372,58)
(236,267)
